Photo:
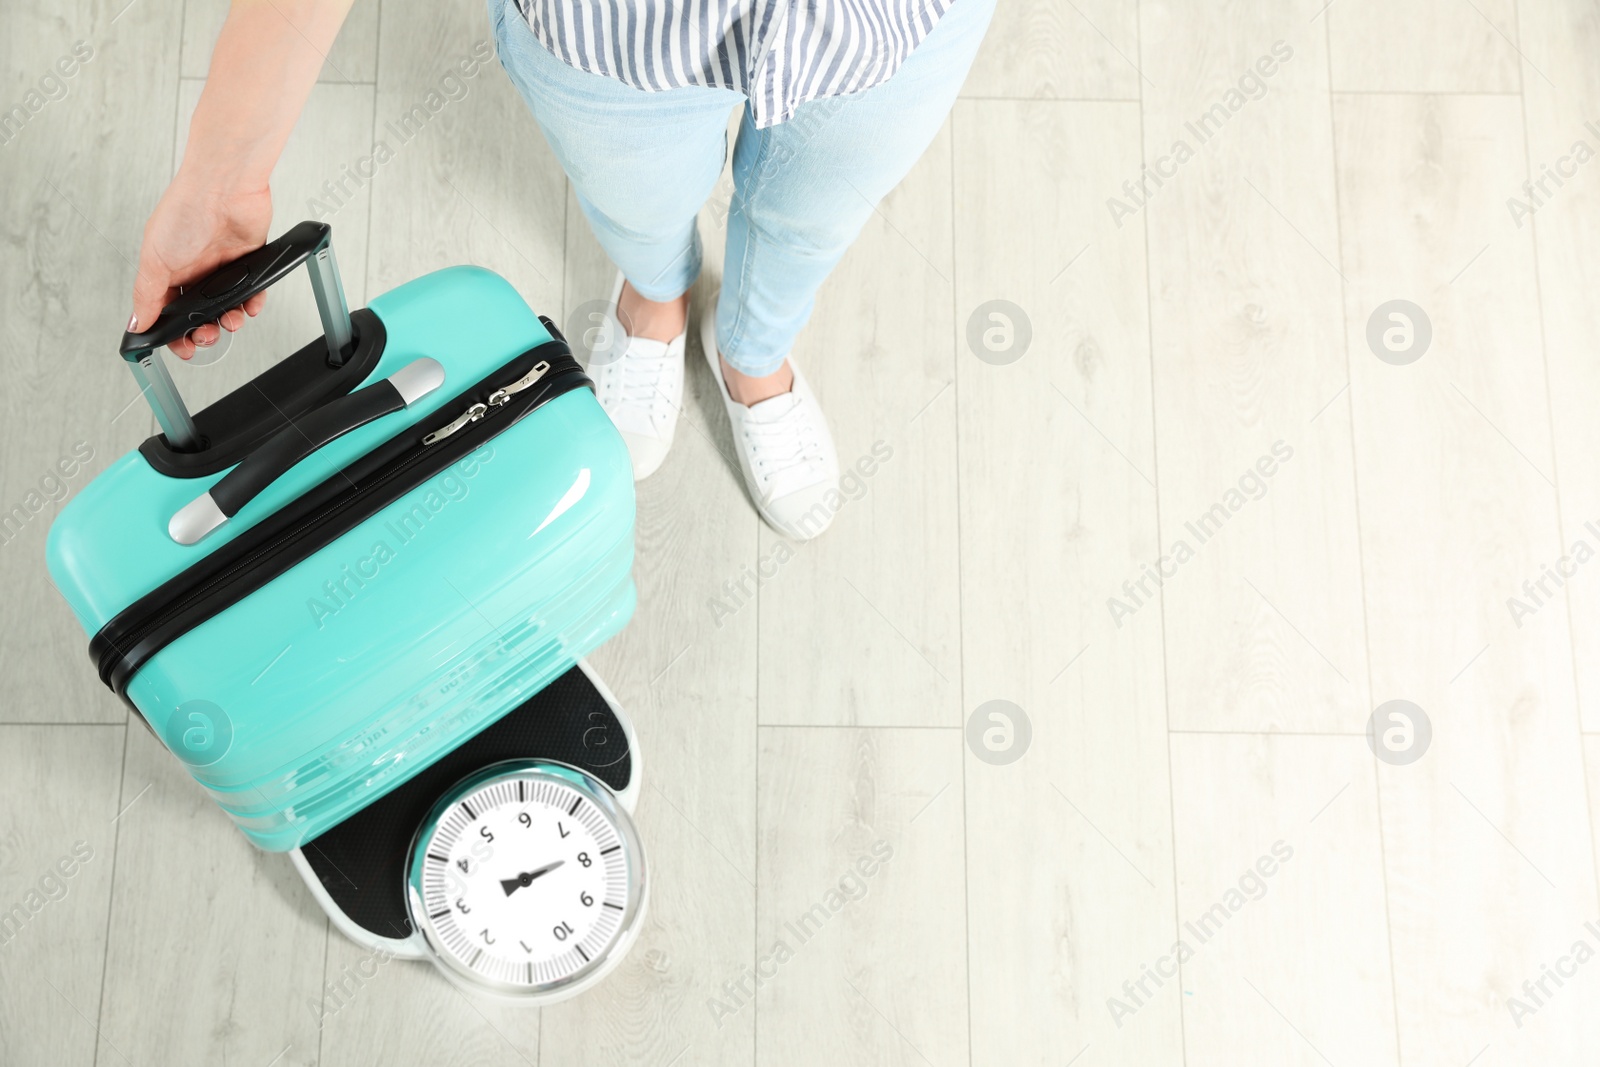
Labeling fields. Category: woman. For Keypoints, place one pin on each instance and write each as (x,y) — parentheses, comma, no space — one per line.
(840,98)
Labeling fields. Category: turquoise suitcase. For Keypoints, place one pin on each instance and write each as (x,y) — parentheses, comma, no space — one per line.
(325,582)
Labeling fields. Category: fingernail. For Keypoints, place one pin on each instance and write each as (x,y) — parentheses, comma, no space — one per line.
(133,323)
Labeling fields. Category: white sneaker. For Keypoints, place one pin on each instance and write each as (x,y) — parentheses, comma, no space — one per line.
(639,383)
(785,450)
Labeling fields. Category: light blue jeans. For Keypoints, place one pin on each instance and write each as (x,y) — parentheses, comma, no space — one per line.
(643,163)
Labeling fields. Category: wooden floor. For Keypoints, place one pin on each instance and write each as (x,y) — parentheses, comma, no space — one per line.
(1196,531)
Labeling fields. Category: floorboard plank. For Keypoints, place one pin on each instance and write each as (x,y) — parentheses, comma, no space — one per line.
(1262,605)
(1563,214)
(1457,507)
(1282,833)
(58,803)
(1428,46)
(215,949)
(1069,847)
(861,950)
(1059,50)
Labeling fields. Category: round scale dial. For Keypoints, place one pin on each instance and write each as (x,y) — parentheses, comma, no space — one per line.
(527,879)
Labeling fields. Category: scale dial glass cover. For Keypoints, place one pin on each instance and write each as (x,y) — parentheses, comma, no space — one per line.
(526,880)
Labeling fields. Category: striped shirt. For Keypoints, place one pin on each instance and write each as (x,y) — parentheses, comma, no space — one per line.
(779,53)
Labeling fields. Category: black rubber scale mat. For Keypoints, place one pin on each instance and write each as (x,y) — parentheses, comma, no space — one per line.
(361,862)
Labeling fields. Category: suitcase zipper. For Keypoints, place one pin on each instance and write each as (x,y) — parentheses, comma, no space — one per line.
(496,399)
(471,415)
(133,633)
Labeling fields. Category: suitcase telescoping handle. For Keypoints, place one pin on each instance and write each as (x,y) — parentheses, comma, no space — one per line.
(225,288)
(297,441)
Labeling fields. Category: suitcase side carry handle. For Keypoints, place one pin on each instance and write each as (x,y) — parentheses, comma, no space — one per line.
(298,440)
(226,287)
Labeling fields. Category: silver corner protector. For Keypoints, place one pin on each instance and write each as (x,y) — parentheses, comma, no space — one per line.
(417,379)
(195,519)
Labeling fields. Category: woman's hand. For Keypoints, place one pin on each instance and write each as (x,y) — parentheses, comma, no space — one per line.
(193,230)
(219,206)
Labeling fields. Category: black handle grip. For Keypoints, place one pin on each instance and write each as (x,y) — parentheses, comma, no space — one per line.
(228,286)
(298,440)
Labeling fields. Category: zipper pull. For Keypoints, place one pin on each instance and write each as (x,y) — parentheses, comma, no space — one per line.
(471,415)
(500,396)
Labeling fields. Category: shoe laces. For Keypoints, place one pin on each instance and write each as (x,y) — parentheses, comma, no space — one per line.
(785,443)
(634,378)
